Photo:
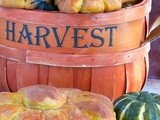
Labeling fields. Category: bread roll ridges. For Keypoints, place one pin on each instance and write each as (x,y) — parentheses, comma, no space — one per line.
(11,98)
(42,97)
(111,5)
(93,6)
(70,6)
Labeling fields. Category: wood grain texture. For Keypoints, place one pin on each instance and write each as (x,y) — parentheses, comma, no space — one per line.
(3,73)
(98,53)
(26,74)
(60,77)
(135,73)
(82,78)
(11,75)
(43,74)
(109,81)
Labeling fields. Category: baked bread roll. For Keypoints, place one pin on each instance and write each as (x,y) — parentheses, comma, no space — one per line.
(88,6)
(67,112)
(42,97)
(21,4)
(92,6)
(56,2)
(7,98)
(95,106)
(111,5)
(30,114)
(44,102)
(70,6)
(10,112)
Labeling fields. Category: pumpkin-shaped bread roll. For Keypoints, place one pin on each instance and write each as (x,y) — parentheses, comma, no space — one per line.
(45,102)
(94,106)
(22,4)
(70,6)
(88,6)
(31,114)
(11,98)
(92,6)
(67,112)
(56,2)
(42,97)
(111,5)
(10,112)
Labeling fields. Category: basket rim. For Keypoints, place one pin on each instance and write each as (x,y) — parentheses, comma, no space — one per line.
(123,15)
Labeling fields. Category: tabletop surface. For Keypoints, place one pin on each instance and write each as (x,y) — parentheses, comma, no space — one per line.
(152,85)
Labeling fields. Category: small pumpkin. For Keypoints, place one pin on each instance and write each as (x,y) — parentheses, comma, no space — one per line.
(138,106)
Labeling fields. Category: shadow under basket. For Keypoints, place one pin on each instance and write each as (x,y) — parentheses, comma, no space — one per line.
(94,52)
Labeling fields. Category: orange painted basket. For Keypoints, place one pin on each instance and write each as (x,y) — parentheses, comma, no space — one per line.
(94,52)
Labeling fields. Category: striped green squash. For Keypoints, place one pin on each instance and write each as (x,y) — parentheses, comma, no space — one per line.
(138,106)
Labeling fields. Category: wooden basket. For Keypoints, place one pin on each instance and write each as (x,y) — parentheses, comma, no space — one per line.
(94,52)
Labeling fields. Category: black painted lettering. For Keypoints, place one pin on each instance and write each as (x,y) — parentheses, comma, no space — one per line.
(58,40)
(10,30)
(25,34)
(93,35)
(111,34)
(38,35)
(76,37)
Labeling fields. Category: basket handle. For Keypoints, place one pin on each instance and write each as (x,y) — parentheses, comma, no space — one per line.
(154,32)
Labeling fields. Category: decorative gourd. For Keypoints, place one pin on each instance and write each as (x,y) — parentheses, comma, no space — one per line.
(138,106)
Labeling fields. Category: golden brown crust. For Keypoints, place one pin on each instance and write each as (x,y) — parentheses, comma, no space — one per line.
(92,6)
(93,105)
(31,115)
(43,97)
(88,6)
(73,104)
(11,98)
(111,5)
(10,112)
(70,6)
(56,2)
(22,4)
(13,3)
(67,112)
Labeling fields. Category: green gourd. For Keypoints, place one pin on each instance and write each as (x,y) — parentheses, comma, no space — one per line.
(138,106)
